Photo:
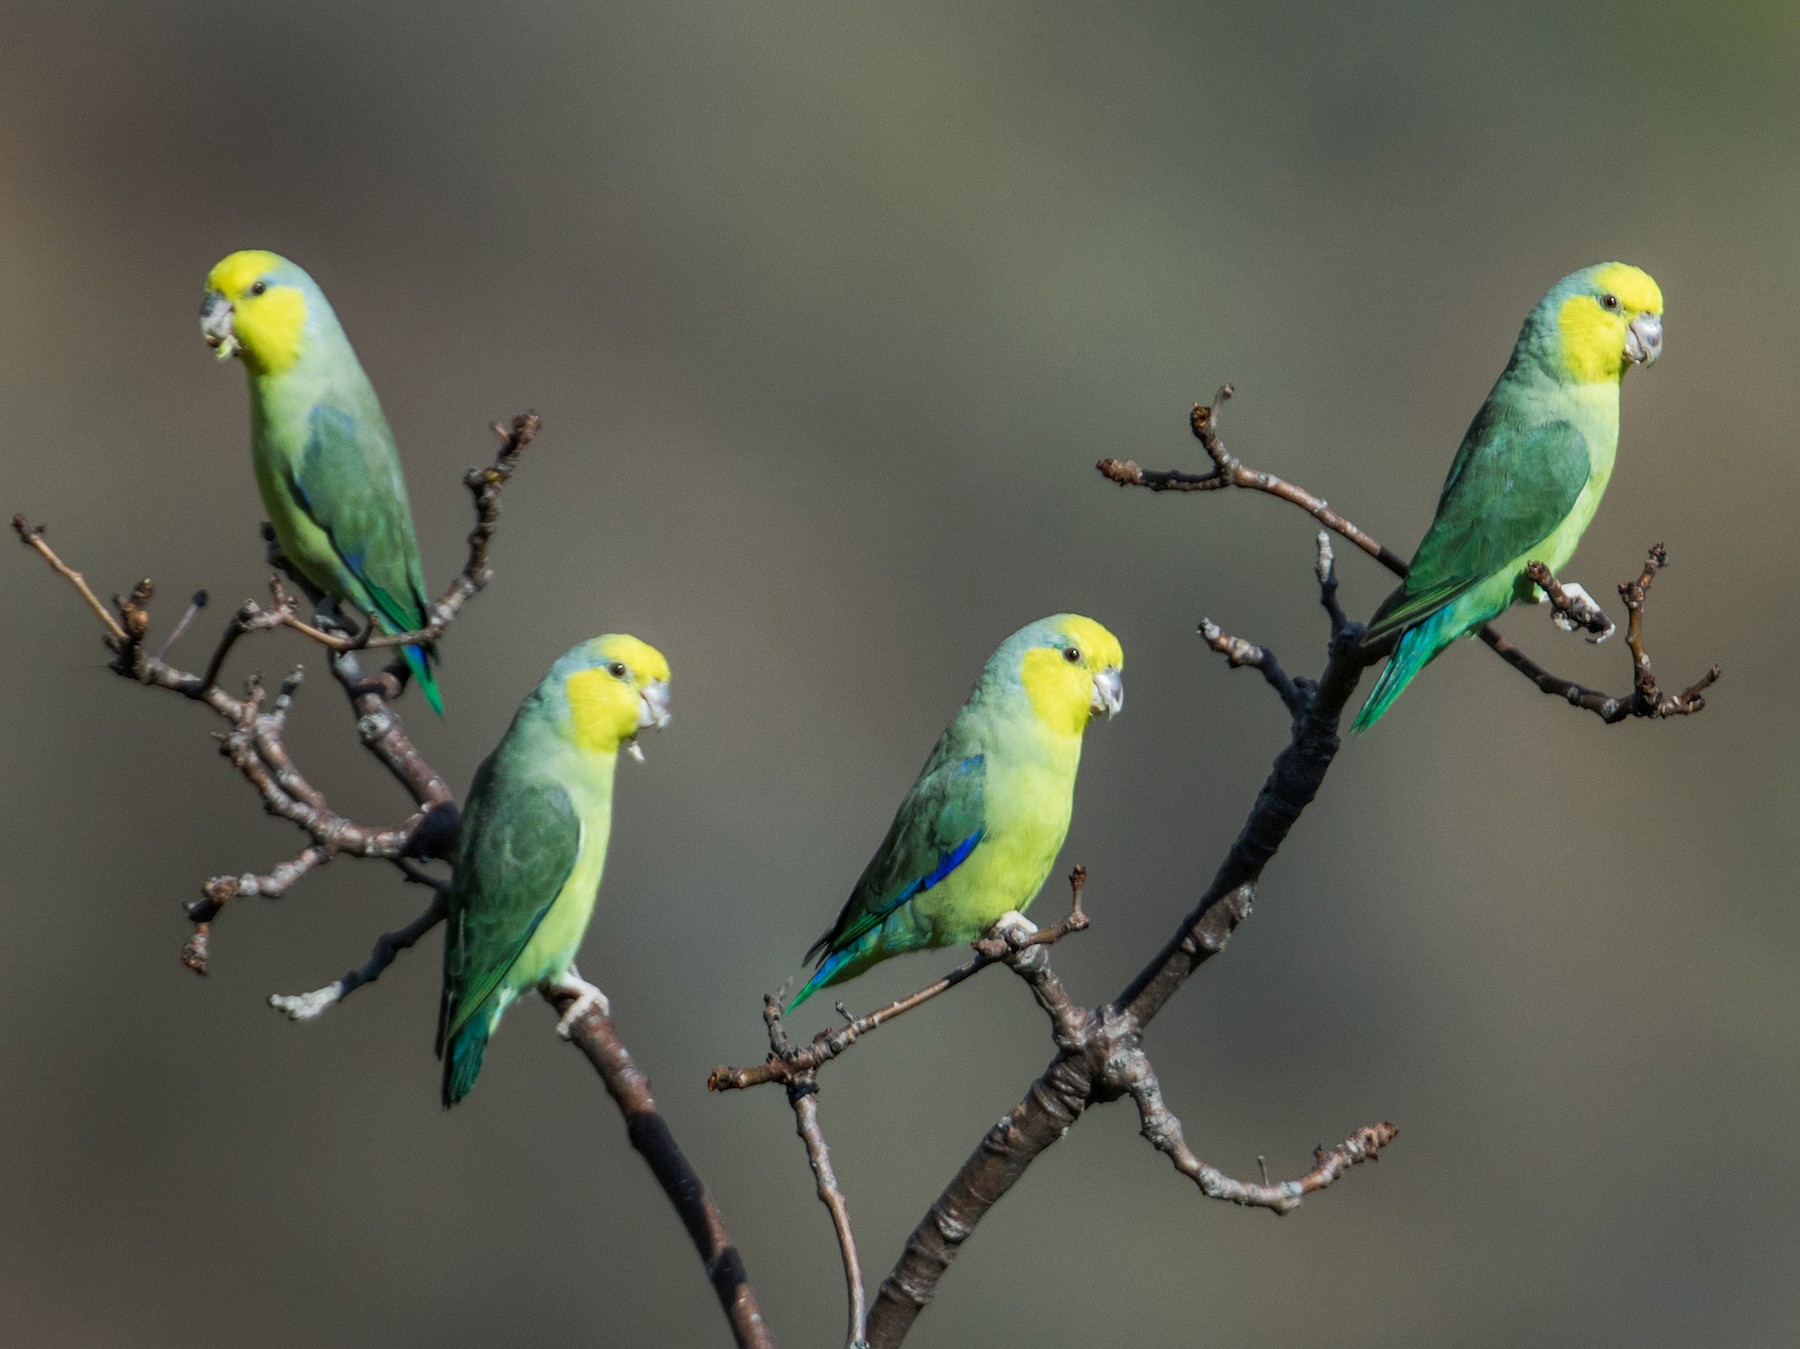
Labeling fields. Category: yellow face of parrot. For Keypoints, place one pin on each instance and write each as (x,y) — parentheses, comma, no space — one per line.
(1611,321)
(617,687)
(1074,674)
(255,308)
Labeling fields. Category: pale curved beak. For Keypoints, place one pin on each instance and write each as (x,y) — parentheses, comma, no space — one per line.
(653,706)
(1643,339)
(1109,692)
(215,324)
(653,714)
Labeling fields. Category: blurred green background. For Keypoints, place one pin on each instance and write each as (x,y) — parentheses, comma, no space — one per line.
(829,310)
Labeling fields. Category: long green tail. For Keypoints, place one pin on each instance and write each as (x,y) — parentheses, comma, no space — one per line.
(1418,644)
(462,1058)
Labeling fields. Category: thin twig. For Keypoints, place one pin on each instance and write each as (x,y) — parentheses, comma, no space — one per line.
(32,536)
(803,1097)
(1229,471)
(1159,1125)
(806,1123)
(195,605)
(272,884)
(1239,653)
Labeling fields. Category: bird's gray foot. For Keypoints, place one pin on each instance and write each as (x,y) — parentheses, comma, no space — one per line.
(1013,927)
(587,998)
(1583,612)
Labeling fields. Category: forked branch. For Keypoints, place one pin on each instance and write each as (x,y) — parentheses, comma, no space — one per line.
(254,743)
(1076,1078)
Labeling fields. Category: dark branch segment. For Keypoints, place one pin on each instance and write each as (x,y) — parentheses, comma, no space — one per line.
(650,1135)
(388,946)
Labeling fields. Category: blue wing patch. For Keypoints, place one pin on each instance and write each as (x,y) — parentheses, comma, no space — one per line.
(950,862)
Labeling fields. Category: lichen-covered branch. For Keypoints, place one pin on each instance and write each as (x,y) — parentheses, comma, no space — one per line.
(1162,1129)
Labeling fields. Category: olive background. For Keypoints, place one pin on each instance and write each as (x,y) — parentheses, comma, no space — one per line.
(829,311)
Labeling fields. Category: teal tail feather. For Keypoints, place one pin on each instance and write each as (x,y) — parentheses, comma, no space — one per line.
(1418,644)
(420,662)
(462,1059)
(822,976)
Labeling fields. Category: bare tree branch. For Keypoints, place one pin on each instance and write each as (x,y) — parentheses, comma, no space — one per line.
(1578,608)
(388,946)
(1239,653)
(649,1133)
(254,743)
(1158,1124)
(1229,471)
(1099,1053)
(33,538)
(803,1096)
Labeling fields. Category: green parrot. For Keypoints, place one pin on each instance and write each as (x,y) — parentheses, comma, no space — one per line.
(325,459)
(979,831)
(533,843)
(1530,472)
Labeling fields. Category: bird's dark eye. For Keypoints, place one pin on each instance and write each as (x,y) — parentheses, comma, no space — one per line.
(258,287)
(616,669)
(1609,302)
(1071,654)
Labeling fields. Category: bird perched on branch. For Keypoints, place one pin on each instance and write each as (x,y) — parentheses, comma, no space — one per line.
(980,829)
(1530,472)
(533,843)
(325,459)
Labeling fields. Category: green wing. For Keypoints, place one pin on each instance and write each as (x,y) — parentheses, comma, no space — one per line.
(520,846)
(1507,491)
(348,480)
(941,821)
